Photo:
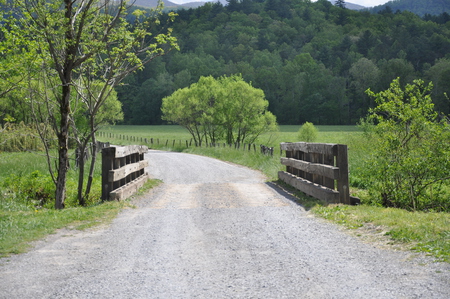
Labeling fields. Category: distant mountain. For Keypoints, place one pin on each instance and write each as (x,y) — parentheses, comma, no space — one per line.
(152,3)
(419,7)
(194,4)
(350,5)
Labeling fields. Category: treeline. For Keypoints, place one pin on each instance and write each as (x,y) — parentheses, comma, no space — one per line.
(313,60)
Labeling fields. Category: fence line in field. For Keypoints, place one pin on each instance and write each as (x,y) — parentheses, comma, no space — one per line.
(187,143)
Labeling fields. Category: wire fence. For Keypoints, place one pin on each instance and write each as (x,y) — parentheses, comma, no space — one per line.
(157,142)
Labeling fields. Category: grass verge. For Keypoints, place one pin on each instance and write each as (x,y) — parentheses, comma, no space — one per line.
(19,228)
(419,231)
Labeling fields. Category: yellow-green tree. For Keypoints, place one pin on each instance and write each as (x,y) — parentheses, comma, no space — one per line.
(227,108)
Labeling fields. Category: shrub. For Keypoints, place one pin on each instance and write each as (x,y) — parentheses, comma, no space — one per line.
(307,132)
(21,137)
(37,190)
(33,190)
(409,165)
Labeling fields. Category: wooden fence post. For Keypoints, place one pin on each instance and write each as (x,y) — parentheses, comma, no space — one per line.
(108,155)
(342,183)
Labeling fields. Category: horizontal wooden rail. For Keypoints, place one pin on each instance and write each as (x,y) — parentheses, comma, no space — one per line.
(314,168)
(307,187)
(123,171)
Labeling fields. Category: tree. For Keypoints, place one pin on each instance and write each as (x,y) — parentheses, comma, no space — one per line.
(84,40)
(340,3)
(409,163)
(86,120)
(226,109)
(439,74)
(307,132)
(364,74)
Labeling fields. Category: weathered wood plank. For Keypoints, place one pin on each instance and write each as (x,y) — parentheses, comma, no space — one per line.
(107,165)
(123,151)
(309,188)
(123,172)
(343,182)
(128,189)
(314,168)
(321,148)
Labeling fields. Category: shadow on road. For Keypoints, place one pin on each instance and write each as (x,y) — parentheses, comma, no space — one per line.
(298,197)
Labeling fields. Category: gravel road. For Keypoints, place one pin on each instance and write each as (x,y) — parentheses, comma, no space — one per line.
(216,230)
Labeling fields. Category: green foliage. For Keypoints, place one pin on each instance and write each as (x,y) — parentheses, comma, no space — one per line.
(226,109)
(35,190)
(409,165)
(20,137)
(307,132)
(423,232)
(71,55)
(313,60)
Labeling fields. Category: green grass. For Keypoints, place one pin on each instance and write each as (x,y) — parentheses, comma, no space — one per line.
(167,134)
(420,231)
(19,228)
(21,163)
(22,221)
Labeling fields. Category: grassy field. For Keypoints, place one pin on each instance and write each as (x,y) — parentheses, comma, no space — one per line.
(423,232)
(163,135)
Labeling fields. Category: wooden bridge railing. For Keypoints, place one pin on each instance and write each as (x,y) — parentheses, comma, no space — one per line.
(123,171)
(317,169)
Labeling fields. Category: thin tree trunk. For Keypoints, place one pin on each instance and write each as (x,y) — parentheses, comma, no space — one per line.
(63,157)
(63,143)
(92,167)
(81,163)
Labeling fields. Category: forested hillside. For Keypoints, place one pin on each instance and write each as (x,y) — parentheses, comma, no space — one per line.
(313,60)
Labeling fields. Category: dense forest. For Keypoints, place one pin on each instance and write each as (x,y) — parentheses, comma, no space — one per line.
(314,60)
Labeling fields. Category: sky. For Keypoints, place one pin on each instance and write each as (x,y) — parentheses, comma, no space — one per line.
(366,3)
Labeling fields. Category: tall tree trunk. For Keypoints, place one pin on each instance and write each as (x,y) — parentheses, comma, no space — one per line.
(92,167)
(81,163)
(63,148)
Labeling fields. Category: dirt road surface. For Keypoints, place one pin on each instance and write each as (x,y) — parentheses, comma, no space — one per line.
(216,230)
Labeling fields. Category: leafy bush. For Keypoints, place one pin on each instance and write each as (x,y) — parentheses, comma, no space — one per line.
(34,190)
(307,132)
(409,165)
(20,137)
(37,190)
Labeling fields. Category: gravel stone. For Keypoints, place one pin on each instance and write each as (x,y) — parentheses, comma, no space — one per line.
(216,230)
